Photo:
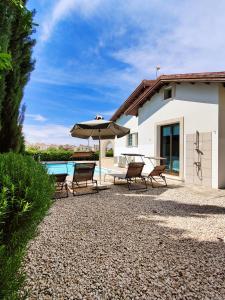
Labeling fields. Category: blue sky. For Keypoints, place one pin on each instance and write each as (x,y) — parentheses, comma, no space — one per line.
(91,54)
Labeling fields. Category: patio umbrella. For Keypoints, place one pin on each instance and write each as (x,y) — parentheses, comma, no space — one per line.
(99,129)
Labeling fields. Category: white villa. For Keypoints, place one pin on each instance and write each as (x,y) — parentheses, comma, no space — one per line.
(181,118)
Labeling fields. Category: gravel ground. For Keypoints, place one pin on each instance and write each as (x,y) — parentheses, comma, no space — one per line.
(161,244)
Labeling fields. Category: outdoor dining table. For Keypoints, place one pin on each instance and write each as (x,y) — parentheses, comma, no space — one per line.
(155,158)
(151,158)
(133,155)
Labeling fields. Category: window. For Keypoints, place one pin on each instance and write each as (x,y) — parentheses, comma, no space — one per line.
(167,93)
(132,140)
(170,147)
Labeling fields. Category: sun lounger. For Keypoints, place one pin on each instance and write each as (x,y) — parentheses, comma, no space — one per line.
(83,179)
(133,173)
(156,175)
(61,186)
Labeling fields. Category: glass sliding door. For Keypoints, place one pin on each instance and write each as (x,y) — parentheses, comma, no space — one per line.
(170,147)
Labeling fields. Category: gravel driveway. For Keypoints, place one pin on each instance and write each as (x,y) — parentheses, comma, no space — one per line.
(162,244)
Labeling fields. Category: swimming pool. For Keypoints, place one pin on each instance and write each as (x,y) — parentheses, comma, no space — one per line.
(68,167)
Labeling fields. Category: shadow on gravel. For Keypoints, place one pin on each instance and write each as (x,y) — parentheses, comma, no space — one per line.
(149,192)
(173,208)
(186,267)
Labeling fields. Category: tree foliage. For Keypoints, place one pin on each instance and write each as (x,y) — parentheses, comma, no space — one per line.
(16,64)
(18,3)
(25,197)
(5,61)
(5,58)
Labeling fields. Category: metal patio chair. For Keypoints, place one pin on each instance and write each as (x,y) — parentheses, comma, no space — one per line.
(61,186)
(83,178)
(134,171)
(156,175)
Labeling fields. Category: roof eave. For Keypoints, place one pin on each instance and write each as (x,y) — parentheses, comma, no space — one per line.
(133,109)
(134,94)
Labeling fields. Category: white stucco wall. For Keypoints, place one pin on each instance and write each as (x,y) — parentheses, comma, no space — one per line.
(196,104)
(121,143)
(221,158)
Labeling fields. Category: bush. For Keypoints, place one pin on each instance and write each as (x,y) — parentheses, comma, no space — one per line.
(54,155)
(25,196)
(50,155)
(109,153)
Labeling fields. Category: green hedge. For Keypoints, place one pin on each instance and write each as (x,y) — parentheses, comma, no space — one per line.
(109,153)
(25,196)
(55,155)
(50,155)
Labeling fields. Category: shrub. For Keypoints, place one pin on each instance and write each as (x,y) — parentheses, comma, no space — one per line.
(25,196)
(51,154)
(109,153)
(54,155)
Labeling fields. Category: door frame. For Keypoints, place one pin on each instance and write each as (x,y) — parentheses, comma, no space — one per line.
(171,126)
(157,143)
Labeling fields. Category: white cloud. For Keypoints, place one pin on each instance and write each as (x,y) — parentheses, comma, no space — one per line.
(192,42)
(36,117)
(64,8)
(50,134)
(185,36)
(180,36)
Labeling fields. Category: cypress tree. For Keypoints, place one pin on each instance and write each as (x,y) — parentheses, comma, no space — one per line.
(18,28)
(5,26)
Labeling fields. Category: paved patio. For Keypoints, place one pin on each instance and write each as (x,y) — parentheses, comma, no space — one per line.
(166,243)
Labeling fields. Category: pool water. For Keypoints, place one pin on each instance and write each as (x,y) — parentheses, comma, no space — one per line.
(68,167)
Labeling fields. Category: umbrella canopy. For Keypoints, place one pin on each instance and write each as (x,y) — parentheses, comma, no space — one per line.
(99,129)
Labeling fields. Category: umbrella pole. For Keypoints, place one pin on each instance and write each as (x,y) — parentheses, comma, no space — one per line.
(100,160)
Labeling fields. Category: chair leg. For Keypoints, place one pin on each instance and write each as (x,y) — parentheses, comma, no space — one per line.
(129,184)
(73,189)
(164,178)
(60,188)
(151,182)
(78,186)
(145,183)
(96,186)
(67,192)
